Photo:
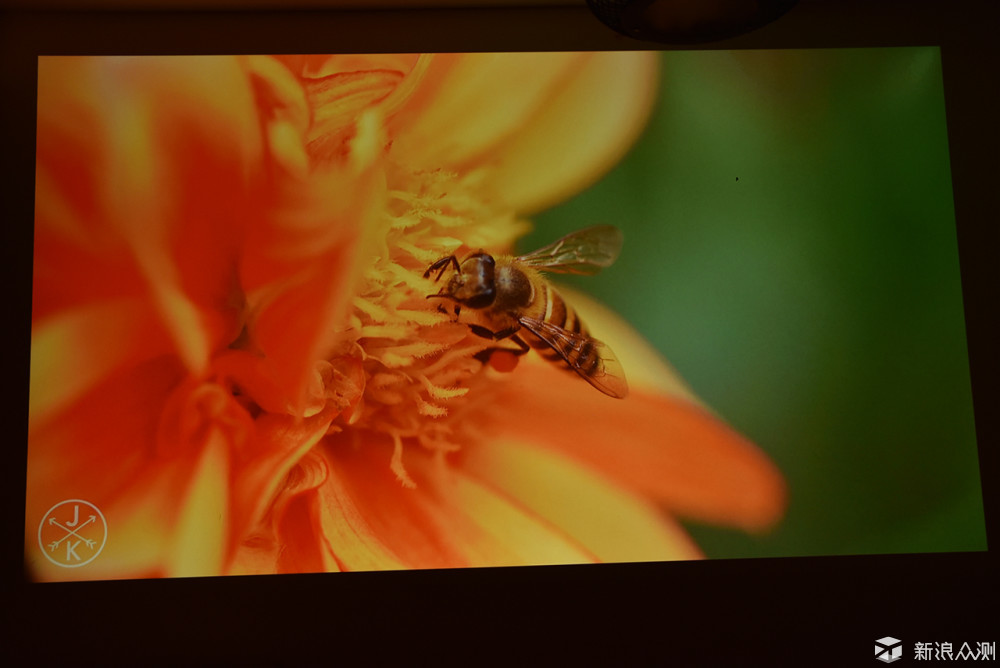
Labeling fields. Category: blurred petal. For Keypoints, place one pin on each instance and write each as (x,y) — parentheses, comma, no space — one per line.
(547,125)
(467,104)
(301,264)
(146,195)
(664,447)
(608,520)
(285,111)
(101,449)
(578,135)
(280,441)
(449,520)
(201,537)
(114,423)
(114,334)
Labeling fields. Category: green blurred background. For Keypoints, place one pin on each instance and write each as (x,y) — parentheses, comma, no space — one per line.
(790,247)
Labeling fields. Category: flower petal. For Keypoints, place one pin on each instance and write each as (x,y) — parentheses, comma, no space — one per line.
(101,449)
(146,195)
(113,333)
(200,539)
(546,124)
(279,442)
(578,135)
(662,446)
(285,110)
(465,105)
(448,520)
(301,263)
(610,522)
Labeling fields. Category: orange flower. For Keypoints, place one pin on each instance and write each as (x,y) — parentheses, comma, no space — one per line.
(232,353)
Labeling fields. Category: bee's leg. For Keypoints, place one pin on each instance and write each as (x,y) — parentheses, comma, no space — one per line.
(509,333)
(441,308)
(487,333)
(524,347)
(441,265)
(506,333)
(481,331)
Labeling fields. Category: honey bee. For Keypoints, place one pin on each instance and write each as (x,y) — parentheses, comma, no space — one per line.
(510,297)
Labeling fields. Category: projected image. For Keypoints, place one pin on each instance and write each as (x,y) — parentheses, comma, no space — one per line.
(387,312)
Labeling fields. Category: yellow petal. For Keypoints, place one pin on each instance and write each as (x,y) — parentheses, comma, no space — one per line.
(348,539)
(612,523)
(372,522)
(301,266)
(579,134)
(99,446)
(658,445)
(465,105)
(201,537)
(148,172)
(81,347)
(546,125)
(494,528)
(280,441)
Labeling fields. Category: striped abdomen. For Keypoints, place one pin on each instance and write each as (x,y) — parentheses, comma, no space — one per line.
(563,337)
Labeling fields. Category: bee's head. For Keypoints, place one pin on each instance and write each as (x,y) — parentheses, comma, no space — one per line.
(472,285)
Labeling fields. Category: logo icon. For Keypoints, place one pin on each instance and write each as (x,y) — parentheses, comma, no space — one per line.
(888,649)
(72,533)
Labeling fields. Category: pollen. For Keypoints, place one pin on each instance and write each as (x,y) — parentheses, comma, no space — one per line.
(418,363)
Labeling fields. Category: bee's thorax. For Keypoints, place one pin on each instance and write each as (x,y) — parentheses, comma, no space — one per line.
(514,289)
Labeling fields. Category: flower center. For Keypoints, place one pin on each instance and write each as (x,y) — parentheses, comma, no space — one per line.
(417,363)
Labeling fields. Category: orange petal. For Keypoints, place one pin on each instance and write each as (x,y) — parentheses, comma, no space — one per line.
(200,538)
(166,519)
(285,540)
(661,446)
(349,537)
(580,133)
(148,171)
(308,286)
(101,449)
(137,537)
(99,441)
(546,124)
(301,262)
(154,452)
(609,521)
(283,105)
(279,442)
(371,521)
(80,347)
(466,105)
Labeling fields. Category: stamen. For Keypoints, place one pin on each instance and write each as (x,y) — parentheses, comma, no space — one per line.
(419,370)
(442,393)
(429,409)
(396,464)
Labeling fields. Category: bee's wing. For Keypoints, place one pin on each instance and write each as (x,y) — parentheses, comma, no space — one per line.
(585,251)
(606,373)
